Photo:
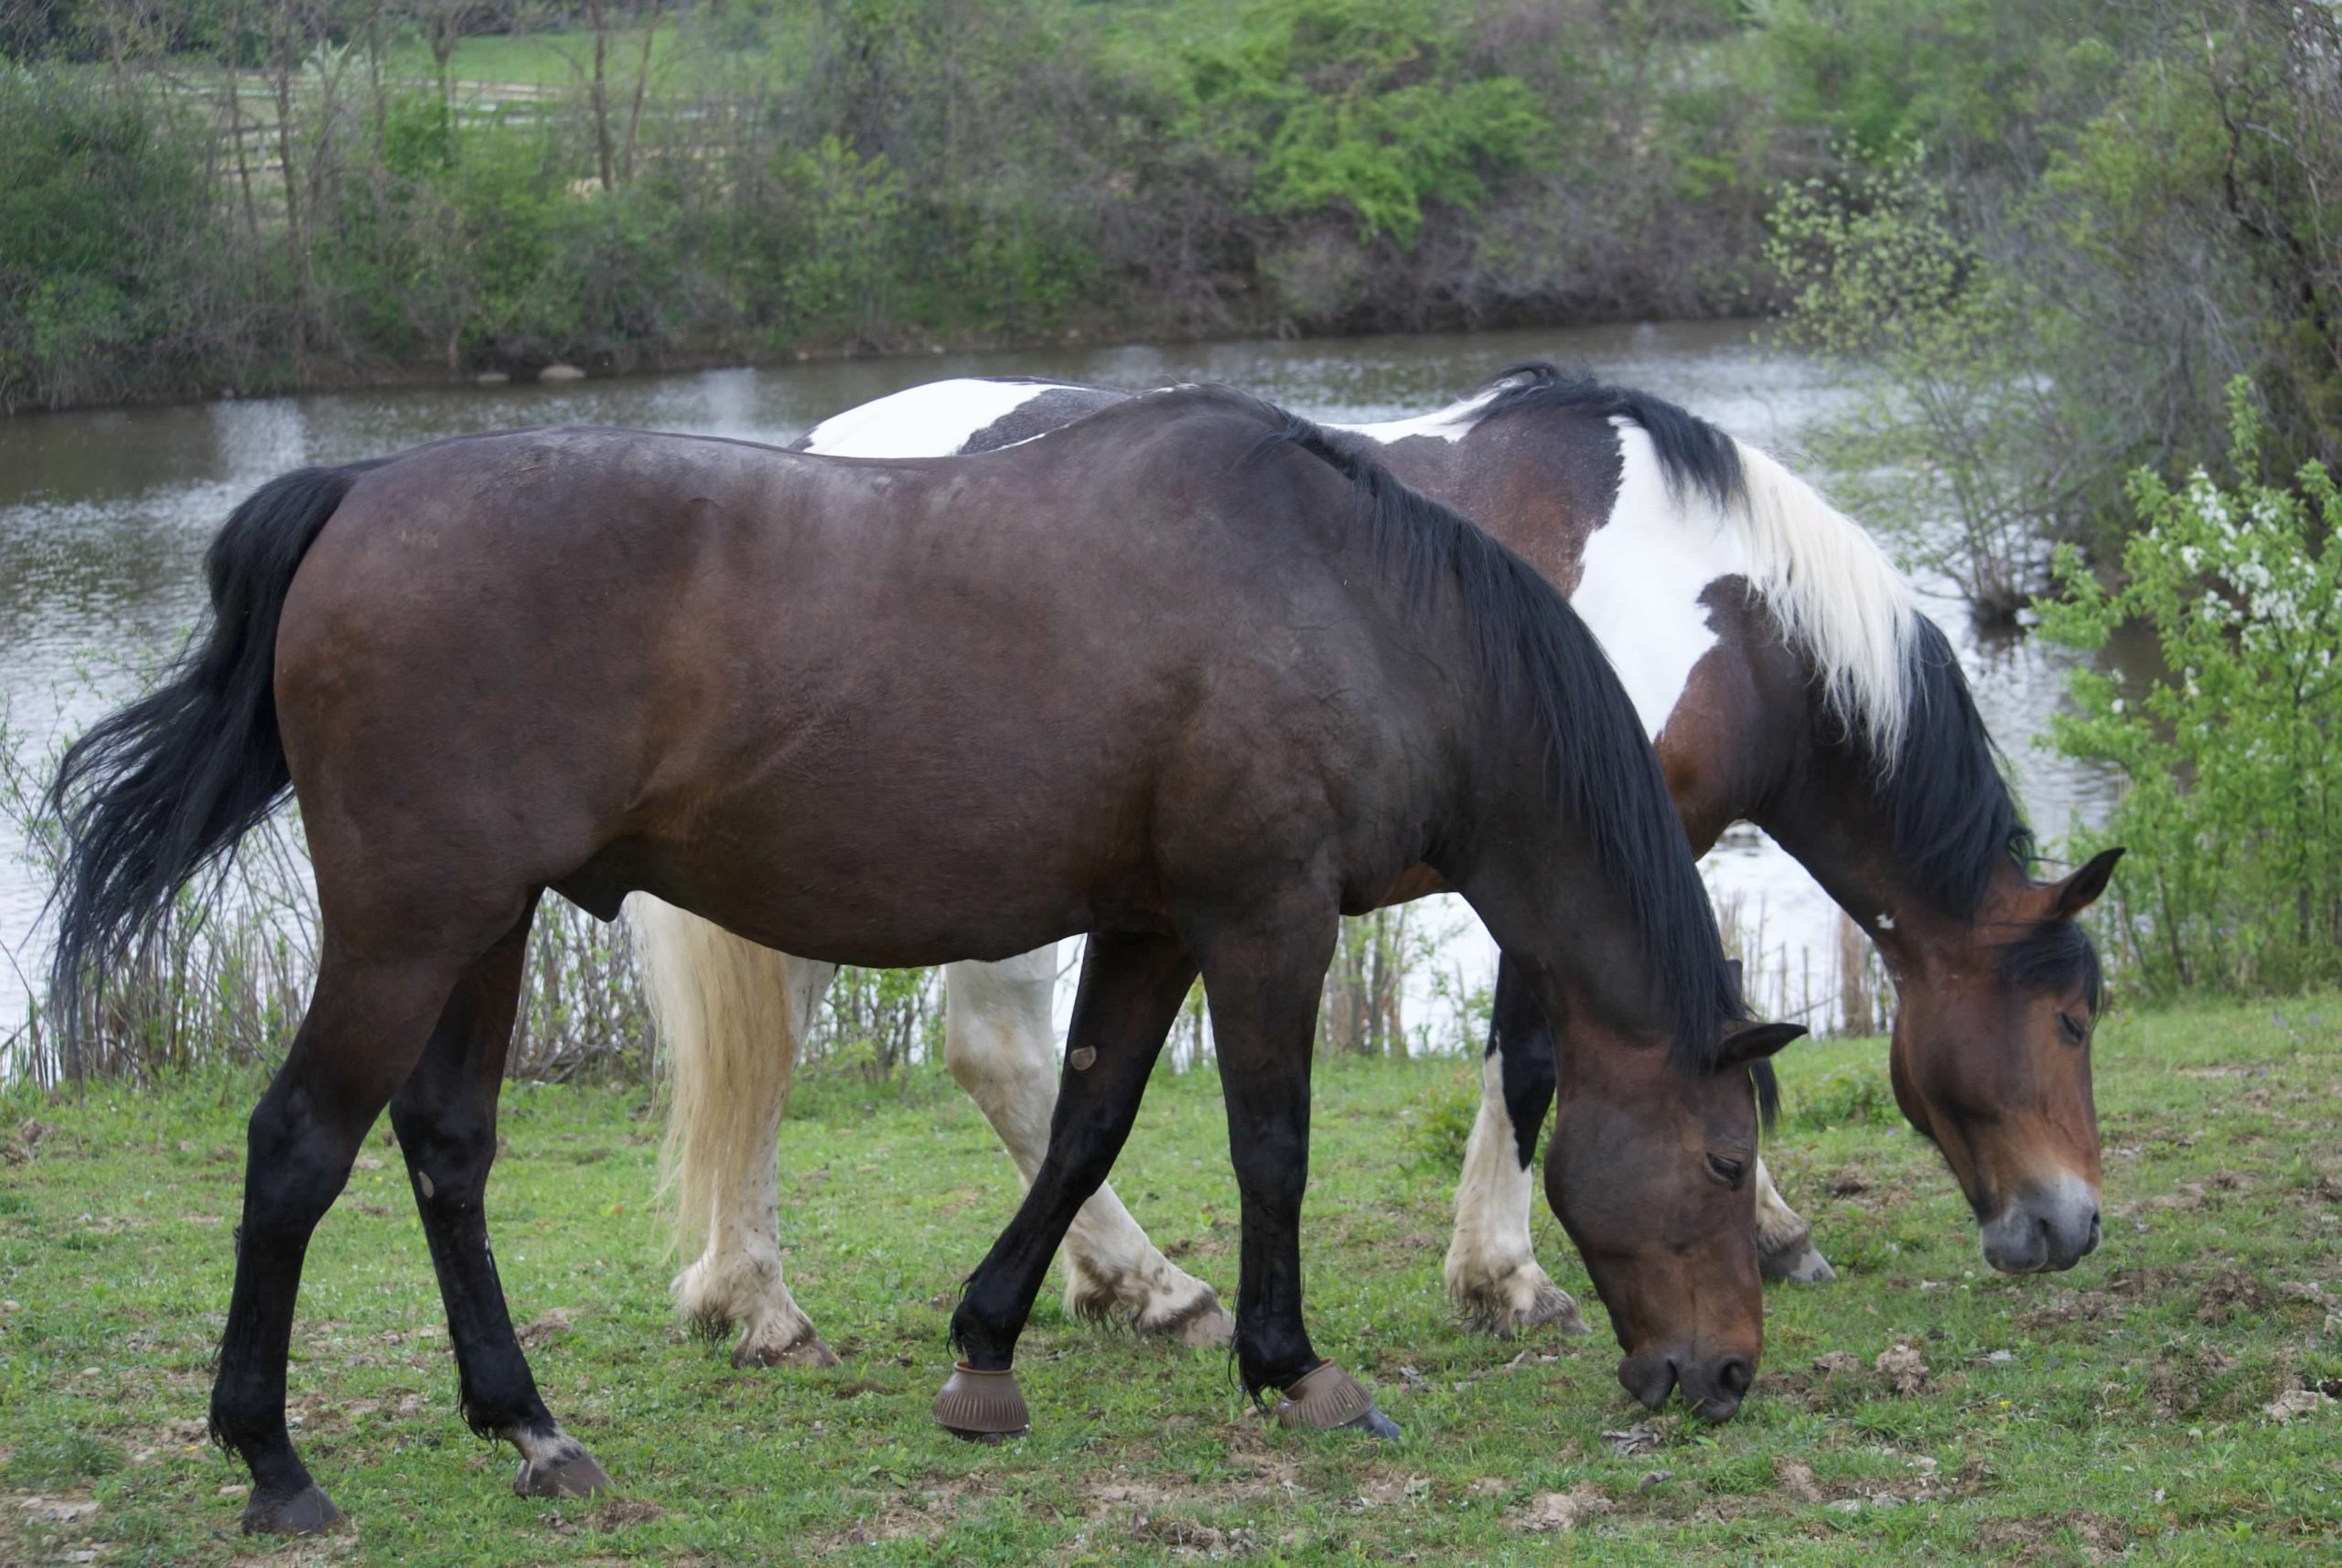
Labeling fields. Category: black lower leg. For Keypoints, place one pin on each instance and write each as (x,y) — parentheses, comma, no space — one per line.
(1131,990)
(1264,991)
(445,1118)
(1521,1038)
(362,1033)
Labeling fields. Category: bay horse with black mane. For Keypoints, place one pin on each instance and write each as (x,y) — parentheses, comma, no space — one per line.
(1780,665)
(1246,679)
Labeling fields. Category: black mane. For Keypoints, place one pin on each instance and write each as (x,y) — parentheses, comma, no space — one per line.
(1542,663)
(1954,820)
(1690,450)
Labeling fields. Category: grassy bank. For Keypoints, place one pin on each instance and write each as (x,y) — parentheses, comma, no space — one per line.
(2120,1409)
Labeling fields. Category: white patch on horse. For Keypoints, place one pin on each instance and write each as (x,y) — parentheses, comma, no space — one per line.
(1450,424)
(1642,576)
(934,420)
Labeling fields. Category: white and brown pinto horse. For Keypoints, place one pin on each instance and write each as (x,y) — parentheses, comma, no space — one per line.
(1775,656)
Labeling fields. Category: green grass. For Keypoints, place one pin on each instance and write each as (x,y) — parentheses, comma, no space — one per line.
(2116,1410)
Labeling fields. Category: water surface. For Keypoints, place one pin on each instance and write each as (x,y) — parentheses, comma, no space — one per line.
(105,517)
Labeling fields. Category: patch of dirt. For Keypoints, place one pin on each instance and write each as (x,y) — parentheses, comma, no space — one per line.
(2180,1380)
(1795,1477)
(2071,1306)
(1905,1372)
(1833,1361)
(620,1513)
(546,1327)
(2033,1541)
(57,1510)
(1848,1183)
(1192,1534)
(1563,1510)
(1637,1439)
(21,1144)
(2295,1403)
(2229,1293)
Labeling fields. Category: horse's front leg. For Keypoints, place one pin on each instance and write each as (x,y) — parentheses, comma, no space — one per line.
(998,1042)
(1131,990)
(1785,1249)
(1492,1270)
(1264,987)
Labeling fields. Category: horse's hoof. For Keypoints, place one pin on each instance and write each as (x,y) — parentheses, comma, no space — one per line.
(808,1351)
(1799,1262)
(982,1407)
(1203,1325)
(306,1512)
(1327,1398)
(1555,1306)
(571,1474)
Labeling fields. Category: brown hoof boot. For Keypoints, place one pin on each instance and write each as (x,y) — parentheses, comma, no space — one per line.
(571,1474)
(1327,1398)
(982,1407)
(807,1352)
(306,1512)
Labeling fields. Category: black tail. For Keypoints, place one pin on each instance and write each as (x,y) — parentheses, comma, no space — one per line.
(1542,662)
(153,792)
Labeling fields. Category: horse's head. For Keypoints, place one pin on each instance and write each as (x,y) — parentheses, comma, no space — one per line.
(1653,1171)
(1990,1060)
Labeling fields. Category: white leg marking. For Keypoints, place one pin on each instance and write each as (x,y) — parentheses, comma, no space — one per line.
(1783,1241)
(1492,1270)
(999,1045)
(731,1015)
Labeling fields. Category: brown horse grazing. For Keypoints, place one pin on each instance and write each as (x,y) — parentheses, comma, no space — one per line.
(1779,664)
(1247,679)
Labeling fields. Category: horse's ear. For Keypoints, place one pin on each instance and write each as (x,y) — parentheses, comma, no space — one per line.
(1748,1043)
(2080,890)
(1732,967)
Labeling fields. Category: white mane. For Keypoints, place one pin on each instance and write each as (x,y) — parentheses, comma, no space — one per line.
(1835,596)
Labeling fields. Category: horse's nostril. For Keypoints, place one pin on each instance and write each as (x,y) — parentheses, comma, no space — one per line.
(1735,1376)
(2092,1246)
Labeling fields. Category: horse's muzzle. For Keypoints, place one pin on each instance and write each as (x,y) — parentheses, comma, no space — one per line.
(2043,1228)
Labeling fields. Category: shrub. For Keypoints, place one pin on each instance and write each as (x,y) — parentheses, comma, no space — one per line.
(2229,748)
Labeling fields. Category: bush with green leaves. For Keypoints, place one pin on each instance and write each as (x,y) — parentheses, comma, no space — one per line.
(2230,746)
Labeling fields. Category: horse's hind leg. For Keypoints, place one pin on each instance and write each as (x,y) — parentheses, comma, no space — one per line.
(998,1043)
(367,1023)
(446,1117)
(1131,990)
(1263,985)
(1492,1270)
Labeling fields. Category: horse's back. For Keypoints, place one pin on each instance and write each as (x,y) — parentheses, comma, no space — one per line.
(626,661)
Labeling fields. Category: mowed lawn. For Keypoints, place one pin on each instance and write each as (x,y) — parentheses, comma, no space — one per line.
(2123,1411)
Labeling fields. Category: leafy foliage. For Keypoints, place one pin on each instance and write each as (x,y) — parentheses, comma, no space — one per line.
(2231,744)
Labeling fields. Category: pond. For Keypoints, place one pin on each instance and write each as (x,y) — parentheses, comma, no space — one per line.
(105,517)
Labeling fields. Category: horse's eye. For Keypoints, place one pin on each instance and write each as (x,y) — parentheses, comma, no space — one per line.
(2070,1028)
(1728,1172)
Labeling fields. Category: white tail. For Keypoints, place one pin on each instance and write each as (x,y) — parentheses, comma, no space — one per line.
(732,1023)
